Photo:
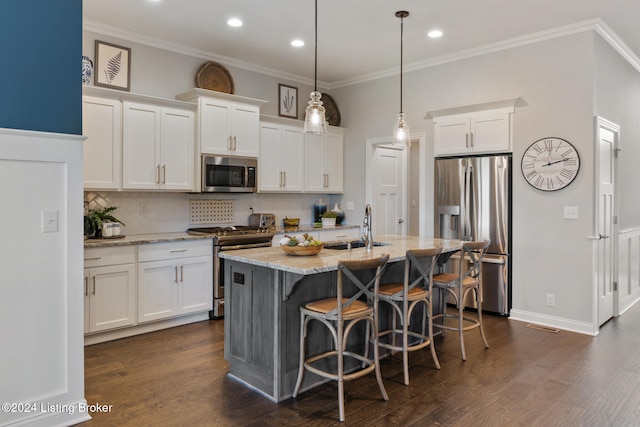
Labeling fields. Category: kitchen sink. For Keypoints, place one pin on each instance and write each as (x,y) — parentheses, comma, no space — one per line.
(354,244)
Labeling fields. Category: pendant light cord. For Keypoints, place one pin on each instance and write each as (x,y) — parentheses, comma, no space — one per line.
(315,72)
(401,55)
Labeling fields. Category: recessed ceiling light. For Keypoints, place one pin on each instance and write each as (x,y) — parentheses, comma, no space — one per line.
(434,34)
(234,22)
(297,43)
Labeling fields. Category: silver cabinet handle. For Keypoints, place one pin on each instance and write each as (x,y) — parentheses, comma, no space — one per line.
(234,144)
(158,174)
(466,140)
(182,273)
(94,285)
(229,143)
(176,269)
(284,178)
(471,139)
(86,285)
(164,174)
(178,250)
(280,178)
(93,259)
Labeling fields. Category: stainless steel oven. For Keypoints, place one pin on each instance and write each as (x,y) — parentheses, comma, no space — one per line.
(227,239)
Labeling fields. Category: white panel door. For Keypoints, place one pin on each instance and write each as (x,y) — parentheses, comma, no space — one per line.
(270,170)
(490,133)
(195,292)
(140,143)
(388,203)
(157,290)
(245,130)
(451,135)
(605,225)
(215,122)
(102,125)
(293,159)
(112,297)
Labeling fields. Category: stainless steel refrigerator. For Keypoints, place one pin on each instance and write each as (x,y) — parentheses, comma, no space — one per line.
(472,201)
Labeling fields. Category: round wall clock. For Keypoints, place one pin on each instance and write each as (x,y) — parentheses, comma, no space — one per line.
(550,164)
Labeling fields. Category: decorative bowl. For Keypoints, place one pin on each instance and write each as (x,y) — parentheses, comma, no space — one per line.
(302,250)
(291,222)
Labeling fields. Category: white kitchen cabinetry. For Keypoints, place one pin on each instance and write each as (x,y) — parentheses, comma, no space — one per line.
(227,124)
(158,145)
(281,160)
(474,132)
(102,125)
(324,162)
(109,288)
(174,278)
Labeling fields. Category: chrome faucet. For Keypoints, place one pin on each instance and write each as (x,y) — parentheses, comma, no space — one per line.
(367,234)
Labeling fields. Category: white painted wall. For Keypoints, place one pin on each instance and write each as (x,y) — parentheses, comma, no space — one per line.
(41,308)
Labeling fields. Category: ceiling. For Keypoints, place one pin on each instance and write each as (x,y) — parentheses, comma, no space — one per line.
(356,38)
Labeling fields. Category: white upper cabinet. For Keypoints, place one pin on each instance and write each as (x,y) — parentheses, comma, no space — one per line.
(462,130)
(324,165)
(102,125)
(228,125)
(158,145)
(281,160)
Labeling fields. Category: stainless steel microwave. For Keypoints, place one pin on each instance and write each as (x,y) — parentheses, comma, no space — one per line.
(229,174)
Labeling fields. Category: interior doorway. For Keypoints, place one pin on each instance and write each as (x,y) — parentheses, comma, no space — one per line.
(393,188)
(606,233)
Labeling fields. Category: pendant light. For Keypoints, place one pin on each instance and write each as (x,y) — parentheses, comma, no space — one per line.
(401,135)
(314,120)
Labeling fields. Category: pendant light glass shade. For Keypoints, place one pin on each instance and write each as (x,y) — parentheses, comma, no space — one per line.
(315,120)
(401,135)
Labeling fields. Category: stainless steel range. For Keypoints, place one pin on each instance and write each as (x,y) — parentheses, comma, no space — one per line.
(227,239)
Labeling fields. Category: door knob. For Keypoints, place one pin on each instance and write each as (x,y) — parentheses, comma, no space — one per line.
(401,221)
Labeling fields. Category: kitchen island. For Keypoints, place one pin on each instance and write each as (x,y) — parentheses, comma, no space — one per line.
(264,290)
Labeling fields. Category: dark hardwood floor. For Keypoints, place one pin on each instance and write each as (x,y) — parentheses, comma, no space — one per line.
(529,377)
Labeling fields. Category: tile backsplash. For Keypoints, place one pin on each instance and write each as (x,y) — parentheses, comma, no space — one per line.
(148,212)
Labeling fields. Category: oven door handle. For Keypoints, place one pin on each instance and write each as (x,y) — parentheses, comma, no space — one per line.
(246,246)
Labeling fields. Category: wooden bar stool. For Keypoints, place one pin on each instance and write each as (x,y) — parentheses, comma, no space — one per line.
(458,285)
(404,298)
(339,315)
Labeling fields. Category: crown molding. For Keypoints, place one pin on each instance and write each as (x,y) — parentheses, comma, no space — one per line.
(595,24)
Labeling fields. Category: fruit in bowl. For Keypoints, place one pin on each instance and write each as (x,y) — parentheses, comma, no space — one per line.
(302,244)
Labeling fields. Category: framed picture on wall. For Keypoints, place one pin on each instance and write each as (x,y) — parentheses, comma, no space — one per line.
(288,104)
(113,66)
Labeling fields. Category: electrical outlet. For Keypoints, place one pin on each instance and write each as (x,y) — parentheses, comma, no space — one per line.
(349,206)
(551,300)
(143,208)
(570,212)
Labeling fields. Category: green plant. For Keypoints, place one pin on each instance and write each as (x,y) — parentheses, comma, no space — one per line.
(329,214)
(97,217)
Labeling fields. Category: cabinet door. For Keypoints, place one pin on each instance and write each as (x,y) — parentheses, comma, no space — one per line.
(333,163)
(112,297)
(87,279)
(157,290)
(102,125)
(195,288)
(176,149)
(491,133)
(313,164)
(292,159)
(451,134)
(214,123)
(140,143)
(269,168)
(245,130)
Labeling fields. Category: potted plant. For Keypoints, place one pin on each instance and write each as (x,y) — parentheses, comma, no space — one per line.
(329,219)
(96,218)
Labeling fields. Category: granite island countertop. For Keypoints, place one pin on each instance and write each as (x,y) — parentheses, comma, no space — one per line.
(138,239)
(327,259)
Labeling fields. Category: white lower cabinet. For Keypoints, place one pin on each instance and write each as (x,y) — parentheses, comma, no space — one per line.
(109,288)
(174,278)
(323,234)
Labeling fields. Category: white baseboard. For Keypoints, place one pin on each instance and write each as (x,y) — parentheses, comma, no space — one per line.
(554,322)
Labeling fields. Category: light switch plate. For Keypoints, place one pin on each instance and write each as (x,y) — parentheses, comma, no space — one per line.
(570,212)
(49,221)
(349,206)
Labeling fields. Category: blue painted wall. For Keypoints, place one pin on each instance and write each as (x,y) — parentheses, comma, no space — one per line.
(40,65)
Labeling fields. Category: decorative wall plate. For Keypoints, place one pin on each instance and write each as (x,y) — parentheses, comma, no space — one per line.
(332,114)
(213,76)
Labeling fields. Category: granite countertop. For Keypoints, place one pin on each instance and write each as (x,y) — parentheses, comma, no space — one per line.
(327,259)
(138,239)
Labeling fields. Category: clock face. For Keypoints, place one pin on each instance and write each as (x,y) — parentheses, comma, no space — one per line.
(550,164)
